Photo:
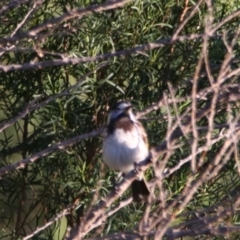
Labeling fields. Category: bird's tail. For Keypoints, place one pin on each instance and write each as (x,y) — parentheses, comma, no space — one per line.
(140,190)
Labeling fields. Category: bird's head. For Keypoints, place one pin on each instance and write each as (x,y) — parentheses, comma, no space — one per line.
(121,109)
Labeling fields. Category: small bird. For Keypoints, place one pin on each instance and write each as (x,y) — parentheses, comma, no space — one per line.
(125,145)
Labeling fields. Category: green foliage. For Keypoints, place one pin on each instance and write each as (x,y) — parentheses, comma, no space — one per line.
(34,195)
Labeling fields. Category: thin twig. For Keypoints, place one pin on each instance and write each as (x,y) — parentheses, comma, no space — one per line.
(75,13)
(32,105)
(73,61)
(39,229)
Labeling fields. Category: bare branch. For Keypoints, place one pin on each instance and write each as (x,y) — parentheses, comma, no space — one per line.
(122,53)
(13,4)
(60,146)
(24,19)
(34,106)
(76,13)
(39,229)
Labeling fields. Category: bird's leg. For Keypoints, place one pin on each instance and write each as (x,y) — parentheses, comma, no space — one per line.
(119,176)
(136,168)
(115,180)
(149,158)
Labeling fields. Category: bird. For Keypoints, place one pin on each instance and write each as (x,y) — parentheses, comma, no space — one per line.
(126,144)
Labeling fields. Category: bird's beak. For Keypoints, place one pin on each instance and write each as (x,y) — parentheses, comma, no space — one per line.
(128,109)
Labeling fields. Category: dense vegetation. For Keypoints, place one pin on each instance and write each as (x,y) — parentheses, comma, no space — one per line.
(64,63)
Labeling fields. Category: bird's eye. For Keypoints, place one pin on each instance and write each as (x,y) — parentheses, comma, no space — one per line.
(134,110)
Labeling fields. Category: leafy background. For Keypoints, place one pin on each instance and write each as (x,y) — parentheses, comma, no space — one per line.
(30,197)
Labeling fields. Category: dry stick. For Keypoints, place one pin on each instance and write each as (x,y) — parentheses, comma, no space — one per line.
(175,108)
(236,152)
(228,96)
(214,172)
(200,96)
(217,84)
(233,134)
(225,66)
(194,147)
(204,148)
(76,13)
(32,106)
(188,159)
(36,50)
(39,229)
(73,61)
(185,8)
(209,21)
(194,95)
(194,110)
(171,128)
(233,73)
(219,216)
(159,170)
(225,20)
(186,20)
(233,125)
(161,148)
(60,146)
(94,217)
(190,188)
(118,207)
(210,172)
(208,26)
(86,11)
(215,93)
(165,41)
(21,115)
(126,235)
(145,218)
(178,133)
(95,199)
(218,230)
(20,25)
(181,18)
(230,201)
(212,169)
(13,4)
(172,234)
(111,212)
(203,223)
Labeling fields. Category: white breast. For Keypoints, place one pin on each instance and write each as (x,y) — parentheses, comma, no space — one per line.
(124,148)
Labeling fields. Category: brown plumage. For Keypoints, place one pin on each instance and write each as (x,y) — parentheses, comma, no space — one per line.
(125,145)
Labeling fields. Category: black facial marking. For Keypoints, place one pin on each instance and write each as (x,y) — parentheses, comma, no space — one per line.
(122,121)
(120,103)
